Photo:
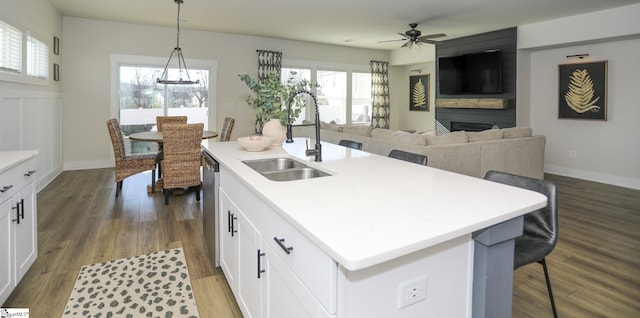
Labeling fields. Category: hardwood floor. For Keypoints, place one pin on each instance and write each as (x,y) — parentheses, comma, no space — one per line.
(80,222)
(595,268)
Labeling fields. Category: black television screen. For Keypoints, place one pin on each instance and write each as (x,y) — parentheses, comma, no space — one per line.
(477,73)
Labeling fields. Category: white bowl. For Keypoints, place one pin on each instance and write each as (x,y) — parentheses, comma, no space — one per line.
(255,143)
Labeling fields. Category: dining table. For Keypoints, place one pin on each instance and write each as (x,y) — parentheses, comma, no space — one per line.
(156,136)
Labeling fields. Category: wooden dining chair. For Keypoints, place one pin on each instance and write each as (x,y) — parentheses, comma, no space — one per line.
(128,165)
(227,127)
(181,162)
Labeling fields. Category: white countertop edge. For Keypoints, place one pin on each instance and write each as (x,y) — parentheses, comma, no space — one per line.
(10,159)
(255,181)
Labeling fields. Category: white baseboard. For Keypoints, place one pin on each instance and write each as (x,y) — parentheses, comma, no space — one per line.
(594,176)
(83,165)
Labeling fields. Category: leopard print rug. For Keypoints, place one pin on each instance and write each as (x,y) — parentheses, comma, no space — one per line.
(154,285)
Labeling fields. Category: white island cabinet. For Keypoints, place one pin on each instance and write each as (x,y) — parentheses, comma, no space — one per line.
(378,237)
(18,218)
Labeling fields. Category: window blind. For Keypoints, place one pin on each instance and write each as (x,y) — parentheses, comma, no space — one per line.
(10,48)
(37,58)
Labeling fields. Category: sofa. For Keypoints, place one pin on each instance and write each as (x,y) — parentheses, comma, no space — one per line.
(514,150)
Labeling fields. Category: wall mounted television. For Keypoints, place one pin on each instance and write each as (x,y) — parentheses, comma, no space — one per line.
(475,73)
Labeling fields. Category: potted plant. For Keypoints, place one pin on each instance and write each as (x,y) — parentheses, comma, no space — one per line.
(272,97)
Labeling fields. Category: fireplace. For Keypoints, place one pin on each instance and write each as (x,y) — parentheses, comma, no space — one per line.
(457,125)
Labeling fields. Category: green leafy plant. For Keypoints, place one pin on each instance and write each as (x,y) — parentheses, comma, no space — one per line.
(272,96)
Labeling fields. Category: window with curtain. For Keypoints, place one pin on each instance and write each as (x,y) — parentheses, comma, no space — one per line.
(10,48)
(37,58)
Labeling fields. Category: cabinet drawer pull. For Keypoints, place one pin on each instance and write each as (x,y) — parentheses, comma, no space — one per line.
(29,173)
(17,208)
(260,270)
(6,188)
(282,246)
(231,223)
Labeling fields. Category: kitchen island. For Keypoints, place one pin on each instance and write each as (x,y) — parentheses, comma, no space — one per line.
(379,237)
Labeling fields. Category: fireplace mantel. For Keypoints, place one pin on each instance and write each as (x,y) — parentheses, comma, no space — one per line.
(480,103)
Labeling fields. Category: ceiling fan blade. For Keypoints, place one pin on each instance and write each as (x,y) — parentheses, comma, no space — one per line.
(432,36)
(405,36)
(428,41)
(409,43)
(391,40)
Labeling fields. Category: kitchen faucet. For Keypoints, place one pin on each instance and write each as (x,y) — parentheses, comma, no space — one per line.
(317,151)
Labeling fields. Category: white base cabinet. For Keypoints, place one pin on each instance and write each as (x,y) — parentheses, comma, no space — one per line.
(264,283)
(18,225)
(276,272)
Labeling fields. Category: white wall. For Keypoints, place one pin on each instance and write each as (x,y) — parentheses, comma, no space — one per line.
(86,77)
(606,151)
(411,119)
(31,109)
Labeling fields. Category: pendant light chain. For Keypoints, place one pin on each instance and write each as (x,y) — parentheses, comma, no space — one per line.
(178,51)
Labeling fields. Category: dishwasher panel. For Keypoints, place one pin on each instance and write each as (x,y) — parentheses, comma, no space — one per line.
(211,180)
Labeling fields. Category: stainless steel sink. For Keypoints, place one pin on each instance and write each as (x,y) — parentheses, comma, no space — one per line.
(273,164)
(294,174)
(284,169)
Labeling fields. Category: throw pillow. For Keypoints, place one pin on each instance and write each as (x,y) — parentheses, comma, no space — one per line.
(489,134)
(398,136)
(456,137)
(428,133)
(517,132)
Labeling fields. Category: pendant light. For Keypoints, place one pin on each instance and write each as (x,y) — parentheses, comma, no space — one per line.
(177,52)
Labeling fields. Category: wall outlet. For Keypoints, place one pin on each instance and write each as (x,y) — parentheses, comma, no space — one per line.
(412,291)
(572,154)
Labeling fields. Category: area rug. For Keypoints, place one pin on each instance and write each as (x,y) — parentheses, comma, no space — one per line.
(153,285)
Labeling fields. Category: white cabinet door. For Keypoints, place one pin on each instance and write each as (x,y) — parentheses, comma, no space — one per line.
(251,269)
(6,262)
(228,239)
(25,231)
(286,295)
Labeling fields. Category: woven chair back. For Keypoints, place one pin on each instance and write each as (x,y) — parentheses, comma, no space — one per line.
(164,120)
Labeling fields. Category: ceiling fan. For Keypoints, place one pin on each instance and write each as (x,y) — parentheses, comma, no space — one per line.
(413,36)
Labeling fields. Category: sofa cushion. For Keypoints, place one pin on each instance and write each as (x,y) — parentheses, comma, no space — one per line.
(489,134)
(517,132)
(358,130)
(398,136)
(429,133)
(456,137)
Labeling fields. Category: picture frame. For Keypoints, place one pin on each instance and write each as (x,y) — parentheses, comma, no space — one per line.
(56,72)
(582,91)
(56,45)
(419,92)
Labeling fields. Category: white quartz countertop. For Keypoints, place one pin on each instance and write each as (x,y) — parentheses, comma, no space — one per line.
(10,159)
(372,208)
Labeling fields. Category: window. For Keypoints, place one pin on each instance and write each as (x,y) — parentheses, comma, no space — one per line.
(300,74)
(361,98)
(332,95)
(344,92)
(10,48)
(37,58)
(137,98)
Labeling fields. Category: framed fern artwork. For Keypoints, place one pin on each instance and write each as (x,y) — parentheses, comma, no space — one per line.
(419,93)
(583,91)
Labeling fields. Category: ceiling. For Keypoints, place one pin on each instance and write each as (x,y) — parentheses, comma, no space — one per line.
(354,23)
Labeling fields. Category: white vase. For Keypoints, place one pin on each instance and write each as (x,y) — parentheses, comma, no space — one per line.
(274,129)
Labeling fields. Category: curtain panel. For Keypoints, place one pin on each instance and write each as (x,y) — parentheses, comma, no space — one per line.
(268,61)
(380,94)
